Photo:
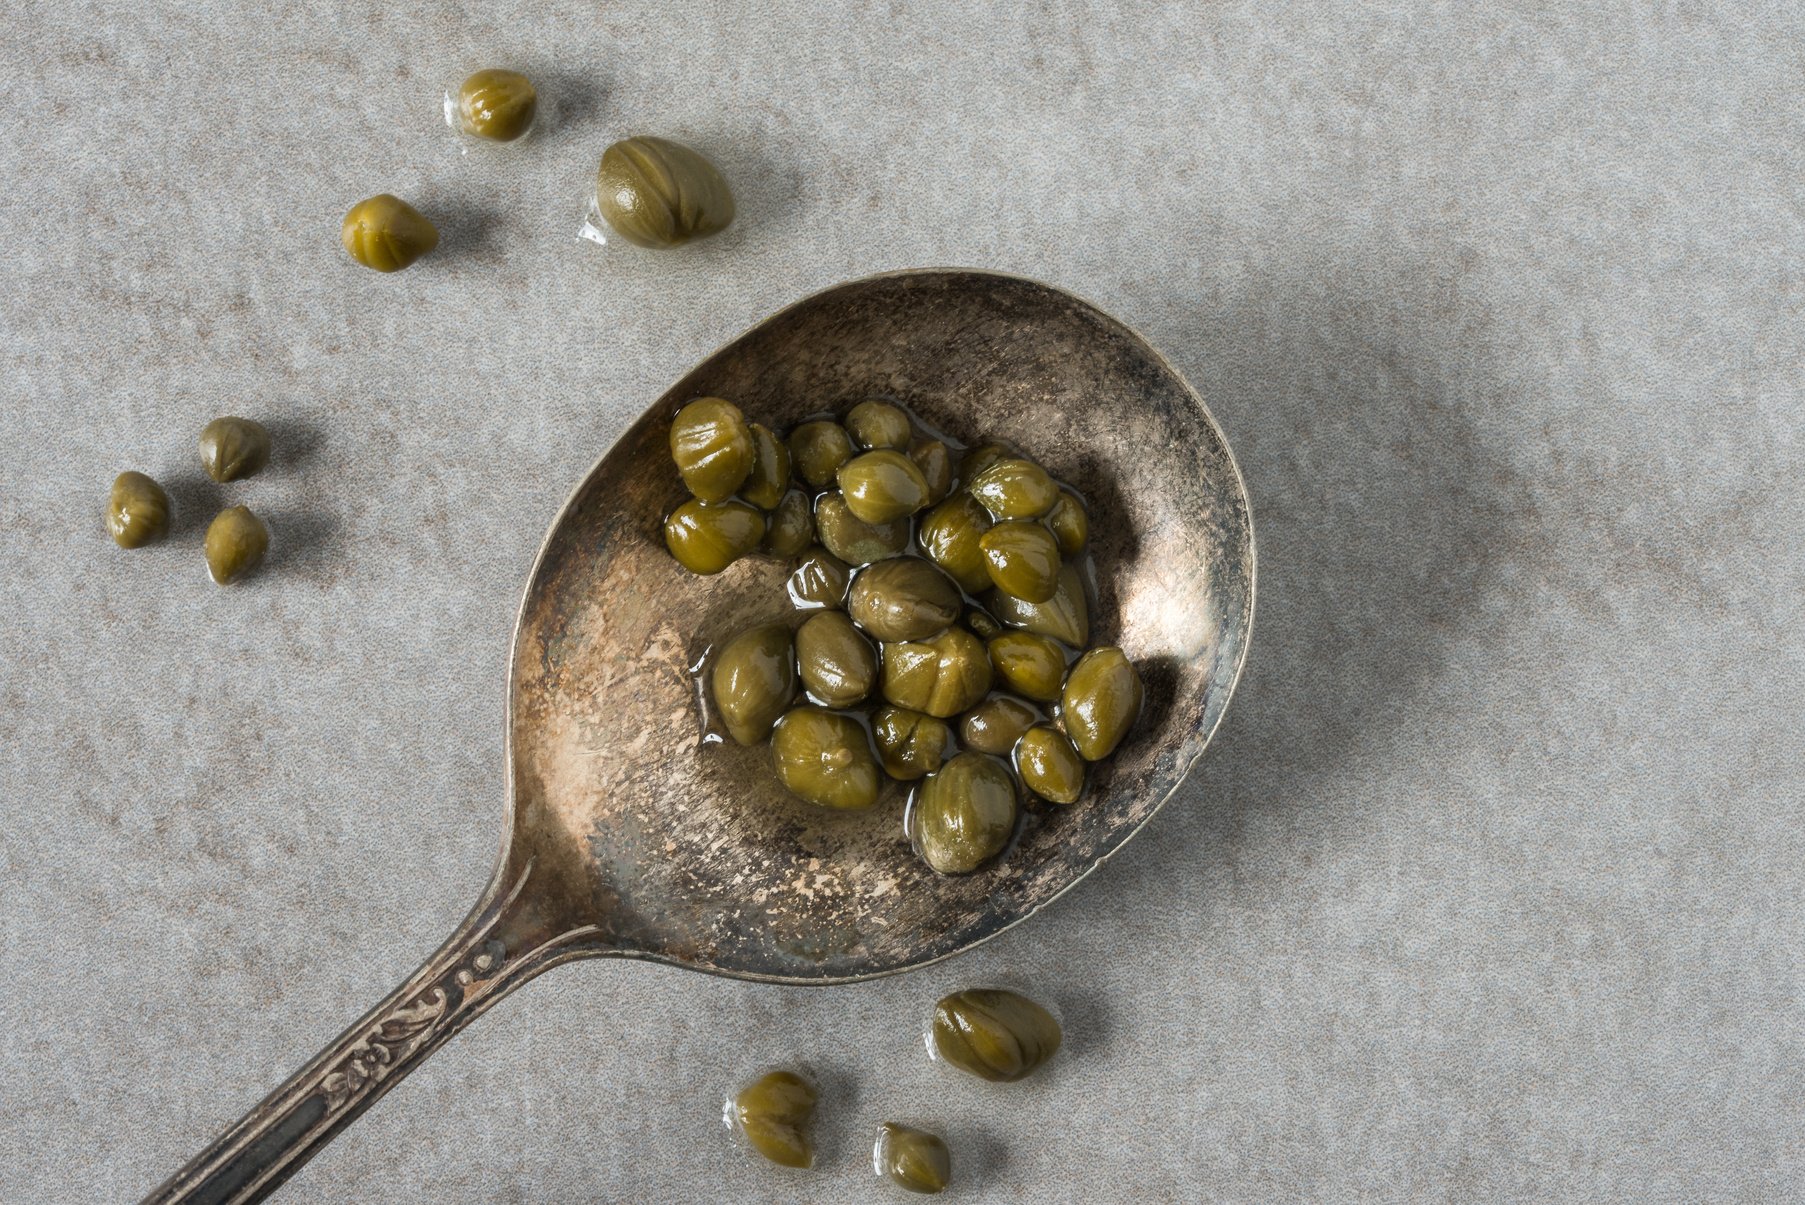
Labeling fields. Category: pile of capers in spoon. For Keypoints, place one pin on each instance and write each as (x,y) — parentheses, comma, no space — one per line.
(947,624)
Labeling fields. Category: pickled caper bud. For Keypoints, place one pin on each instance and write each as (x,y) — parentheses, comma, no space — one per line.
(818,449)
(497,105)
(659,193)
(851,538)
(876,424)
(1070,526)
(936,465)
(1101,701)
(982,457)
(774,1112)
(838,664)
(964,814)
(883,486)
(909,743)
(912,1159)
(994,725)
(949,537)
(233,447)
(235,544)
(1065,616)
(770,475)
(819,581)
(754,681)
(904,598)
(713,447)
(942,676)
(789,529)
(1029,664)
(137,510)
(1048,765)
(825,759)
(707,537)
(994,1034)
(982,625)
(1022,559)
(1015,489)
(387,234)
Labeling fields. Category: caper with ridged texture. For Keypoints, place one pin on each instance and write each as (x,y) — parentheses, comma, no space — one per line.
(837,662)
(851,538)
(773,1112)
(707,537)
(982,457)
(754,682)
(1048,765)
(994,725)
(497,105)
(713,447)
(943,676)
(819,581)
(770,475)
(824,758)
(1015,489)
(882,486)
(1101,701)
(387,234)
(994,1034)
(904,598)
(818,449)
(964,814)
(949,537)
(1028,664)
(790,528)
(936,465)
(233,447)
(235,544)
(1070,526)
(1065,616)
(137,510)
(1022,560)
(910,743)
(912,1159)
(658,193)
(876,424)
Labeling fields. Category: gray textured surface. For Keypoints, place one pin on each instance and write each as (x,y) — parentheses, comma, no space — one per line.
(1491,888)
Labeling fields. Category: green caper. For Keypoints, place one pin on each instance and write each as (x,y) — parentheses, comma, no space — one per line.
(233,447)
(824,758)
(1070,526)
(839,665)
(770,475)
(882,486)
(1015,489)
(659,193)
(982,625)
(712,445)
(851,538)
(936,465)
(1048,764)
(964,814)
(1022,559)
(818,449)
(791,527)
(774,1112)
(904,598)
(497,105)
(876,424)
(235,544)
(1101,701)
(942,676)
(707,537)
(949,537)
(137,510)
(994,725)
(909,743)
(753,682)
(1029,664)
(1065,616)
(994,1034)
(387,234)
(819,581)
(912,1159)
(982,457)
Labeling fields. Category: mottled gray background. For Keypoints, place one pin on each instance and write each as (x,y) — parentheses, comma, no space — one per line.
(1491,888)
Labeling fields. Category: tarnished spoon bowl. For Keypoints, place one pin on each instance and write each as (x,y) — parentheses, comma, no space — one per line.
(628,837)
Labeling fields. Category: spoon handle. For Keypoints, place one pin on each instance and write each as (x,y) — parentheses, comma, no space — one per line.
(489,956)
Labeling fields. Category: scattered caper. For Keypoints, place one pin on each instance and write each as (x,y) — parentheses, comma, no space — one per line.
(909,743)
(994,1034)
(1048,764)
(851,538)
(882,486)
(818,449)
(943,676)
(791,527)
(912,1159)
(1065,616)
(754,681)
(137,510)
(1069,524)
(1022,559)
(1101,701)
(819,581)
(707,537)
(964,814)
(387,234)
(659,193)
(1015,489)
(1028,664)
(936,465)
(233,447)
(982,457)
(770,475)
(994,725)
(950,535)
(876,424)
(497,105)
(904,598)
(713,447)
(235,544)
(838,664)
(824,758)
(774,1112)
